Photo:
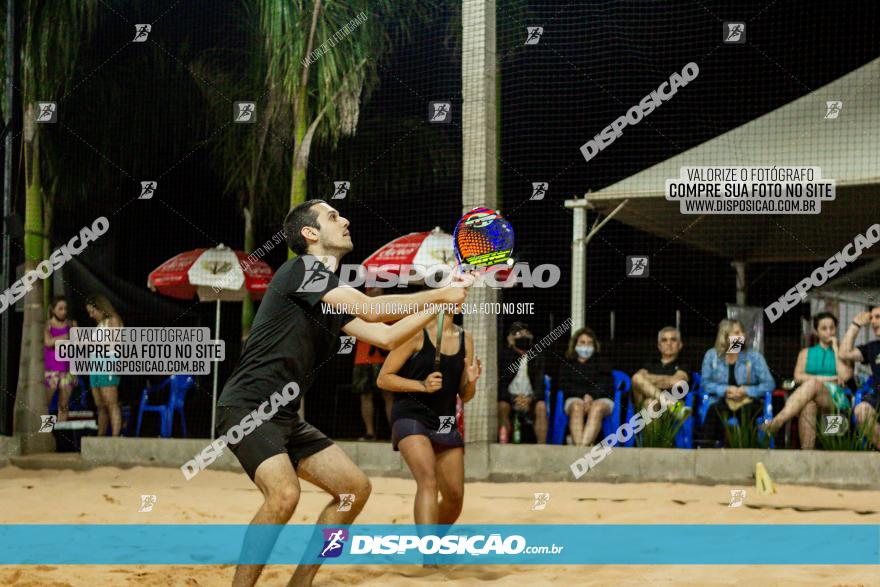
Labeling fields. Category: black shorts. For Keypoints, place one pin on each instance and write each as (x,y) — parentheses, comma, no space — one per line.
(295,437)
(440,441)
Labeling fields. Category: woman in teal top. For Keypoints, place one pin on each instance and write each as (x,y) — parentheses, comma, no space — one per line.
(822,377)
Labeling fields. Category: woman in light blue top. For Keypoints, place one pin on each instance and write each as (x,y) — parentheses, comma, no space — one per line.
(736,379)
(822,376)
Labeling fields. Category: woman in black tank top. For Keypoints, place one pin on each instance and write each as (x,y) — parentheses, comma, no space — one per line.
(423,426)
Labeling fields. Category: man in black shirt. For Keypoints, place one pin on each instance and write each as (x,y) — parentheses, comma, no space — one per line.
(866,411)
(291,338)
(661,373)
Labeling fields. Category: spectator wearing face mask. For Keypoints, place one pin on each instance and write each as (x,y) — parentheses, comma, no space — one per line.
(521,387)
(587,385)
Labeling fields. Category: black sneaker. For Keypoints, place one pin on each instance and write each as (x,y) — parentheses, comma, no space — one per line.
(367,438)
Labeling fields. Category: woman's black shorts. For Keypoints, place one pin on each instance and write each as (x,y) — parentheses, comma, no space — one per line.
(440,441)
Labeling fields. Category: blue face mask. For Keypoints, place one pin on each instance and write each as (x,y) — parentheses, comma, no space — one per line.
(584,352)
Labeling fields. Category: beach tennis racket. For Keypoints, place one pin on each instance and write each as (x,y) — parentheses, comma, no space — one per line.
(483,239)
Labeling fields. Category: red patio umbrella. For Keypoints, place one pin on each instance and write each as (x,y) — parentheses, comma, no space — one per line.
(218,274)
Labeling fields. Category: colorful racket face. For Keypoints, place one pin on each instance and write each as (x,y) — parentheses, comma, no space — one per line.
(483,238)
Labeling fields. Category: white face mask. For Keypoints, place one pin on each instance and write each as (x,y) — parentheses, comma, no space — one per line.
(584,352)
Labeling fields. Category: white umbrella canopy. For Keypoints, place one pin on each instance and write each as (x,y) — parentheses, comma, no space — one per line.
(218,274)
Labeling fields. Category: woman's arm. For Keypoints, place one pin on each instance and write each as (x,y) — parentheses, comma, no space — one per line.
(388,336)
(48,339)
(761,373)
(388,378)
(800,367)
(472,367)
(715,388)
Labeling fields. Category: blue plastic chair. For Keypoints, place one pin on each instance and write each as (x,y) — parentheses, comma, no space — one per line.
(703,398)
(557,421)
(558,429)
(859,395)
(622,385)
(178,386)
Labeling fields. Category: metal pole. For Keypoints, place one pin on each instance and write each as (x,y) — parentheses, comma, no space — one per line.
(6,253)
(216,369)
(740,268)
(578,267)
(479,173)
(579,242)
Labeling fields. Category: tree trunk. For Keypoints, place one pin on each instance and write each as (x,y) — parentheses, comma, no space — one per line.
(298,187)
(30,399)
(48,288)
(247,308)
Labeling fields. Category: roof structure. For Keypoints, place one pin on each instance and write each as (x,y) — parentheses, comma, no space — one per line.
(847,149)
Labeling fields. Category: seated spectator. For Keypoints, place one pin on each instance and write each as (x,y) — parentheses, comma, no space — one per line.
(587,385)
(736,379)
(661,373)
(866,411)
(821,375)
(521,385)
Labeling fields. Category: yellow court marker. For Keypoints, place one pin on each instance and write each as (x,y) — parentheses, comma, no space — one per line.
(763,482)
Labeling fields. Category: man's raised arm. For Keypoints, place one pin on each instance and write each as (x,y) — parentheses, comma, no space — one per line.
(394,307)
(847,352)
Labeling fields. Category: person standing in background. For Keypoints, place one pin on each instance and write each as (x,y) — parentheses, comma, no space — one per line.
(105,385)
(57,373)
(368,361)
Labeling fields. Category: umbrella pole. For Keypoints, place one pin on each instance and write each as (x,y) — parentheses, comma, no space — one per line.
(216,369)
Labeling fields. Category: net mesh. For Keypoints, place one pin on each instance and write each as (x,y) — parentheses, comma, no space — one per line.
(162,110)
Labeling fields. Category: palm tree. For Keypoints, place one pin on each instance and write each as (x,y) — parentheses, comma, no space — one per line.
(52,35)
(327,86)
(249,157)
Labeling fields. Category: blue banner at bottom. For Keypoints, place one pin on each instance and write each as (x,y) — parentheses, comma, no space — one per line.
(386,544)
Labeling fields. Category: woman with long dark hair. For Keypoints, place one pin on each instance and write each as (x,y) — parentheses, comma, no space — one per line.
(423,415)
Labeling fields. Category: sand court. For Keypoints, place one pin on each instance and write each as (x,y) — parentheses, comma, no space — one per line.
(109,495)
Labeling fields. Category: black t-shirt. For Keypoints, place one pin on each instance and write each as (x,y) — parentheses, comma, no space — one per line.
(871,354)
(593,377)
(428,407)
(291,337)
(657,367)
